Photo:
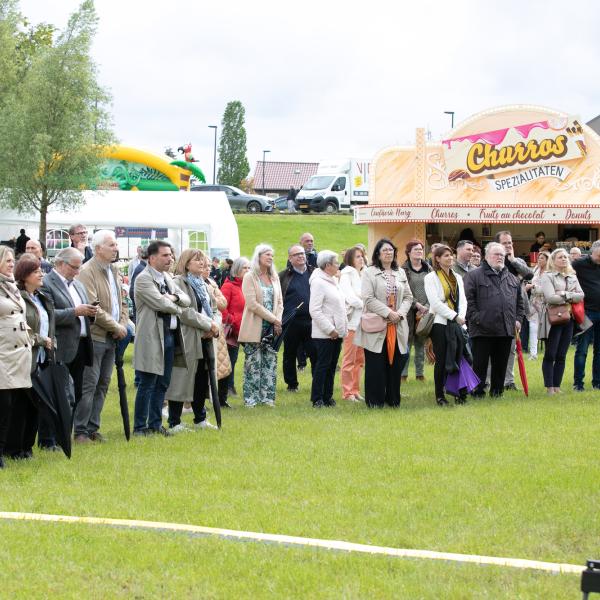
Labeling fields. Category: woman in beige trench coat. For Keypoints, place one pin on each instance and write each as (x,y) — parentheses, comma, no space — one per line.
(15,345)
(198,326)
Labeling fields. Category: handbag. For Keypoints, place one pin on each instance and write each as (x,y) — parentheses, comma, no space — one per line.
(558,314)
(578,311)
(230,337)
(424,325)
(372,323)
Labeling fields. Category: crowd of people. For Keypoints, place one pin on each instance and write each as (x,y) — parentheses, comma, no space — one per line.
(188,318)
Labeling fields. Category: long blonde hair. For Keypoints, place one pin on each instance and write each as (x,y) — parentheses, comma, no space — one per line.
(552,268)
(185,258)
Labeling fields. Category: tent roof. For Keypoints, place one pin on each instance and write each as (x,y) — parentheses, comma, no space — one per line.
(175,210)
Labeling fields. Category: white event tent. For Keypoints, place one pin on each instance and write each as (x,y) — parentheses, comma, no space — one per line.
(199,220)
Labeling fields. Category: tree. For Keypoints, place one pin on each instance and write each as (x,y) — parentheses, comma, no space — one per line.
(53,123)
(233,164)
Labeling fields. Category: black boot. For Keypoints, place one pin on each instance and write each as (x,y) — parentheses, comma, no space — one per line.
(442,401)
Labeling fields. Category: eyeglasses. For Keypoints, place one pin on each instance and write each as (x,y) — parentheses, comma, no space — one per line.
(298,254)
(80,233)
(75,268)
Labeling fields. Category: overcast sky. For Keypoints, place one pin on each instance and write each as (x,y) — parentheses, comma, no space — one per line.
(328,79)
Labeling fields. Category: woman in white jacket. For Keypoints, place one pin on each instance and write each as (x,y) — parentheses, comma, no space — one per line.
(329,326)
(447,301)
(353,360)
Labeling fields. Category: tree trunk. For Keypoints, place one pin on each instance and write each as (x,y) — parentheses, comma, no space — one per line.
(43,215)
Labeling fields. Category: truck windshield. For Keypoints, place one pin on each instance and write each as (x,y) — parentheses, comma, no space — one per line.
(318,183)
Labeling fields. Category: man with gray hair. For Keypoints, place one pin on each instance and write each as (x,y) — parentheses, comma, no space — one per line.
(34,247)
(588,274)
(102,282)
(295,290)
(72,312)
(494,311)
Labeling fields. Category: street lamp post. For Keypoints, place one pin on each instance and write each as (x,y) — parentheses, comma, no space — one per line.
(451,113)
(263,173)
(214,152)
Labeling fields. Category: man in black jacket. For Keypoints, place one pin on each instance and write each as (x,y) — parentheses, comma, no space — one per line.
(588,274)
(494,311)
(295,289)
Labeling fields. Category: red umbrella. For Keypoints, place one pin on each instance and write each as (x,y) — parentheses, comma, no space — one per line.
(522,371)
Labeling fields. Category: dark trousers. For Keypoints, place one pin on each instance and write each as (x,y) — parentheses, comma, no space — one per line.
(327,354)
(297,335)
(233,352)
(591,336)
(23,423)
(495,350)
(76,368)
(198,399)
(151,390)
(438,339)
(557,345)
(382,380)
(6,401)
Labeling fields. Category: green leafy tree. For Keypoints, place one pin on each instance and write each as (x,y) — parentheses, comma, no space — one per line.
(53,123)
(233,164)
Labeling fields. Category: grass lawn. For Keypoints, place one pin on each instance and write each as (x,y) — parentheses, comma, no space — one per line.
(331,232)
(515,477)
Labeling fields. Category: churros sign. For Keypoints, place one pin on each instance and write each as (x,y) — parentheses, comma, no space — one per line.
(532,144)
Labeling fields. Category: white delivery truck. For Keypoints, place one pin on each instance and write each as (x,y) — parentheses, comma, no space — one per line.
(338,185)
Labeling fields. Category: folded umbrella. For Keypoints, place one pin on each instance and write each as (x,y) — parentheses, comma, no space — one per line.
(51,384)
(462,381)
(212,380)
(122,385)
(521,361)
(275,341)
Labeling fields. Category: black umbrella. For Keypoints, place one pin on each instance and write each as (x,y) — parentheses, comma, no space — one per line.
(276,340)
(212,380)
(51,385)
(122,394)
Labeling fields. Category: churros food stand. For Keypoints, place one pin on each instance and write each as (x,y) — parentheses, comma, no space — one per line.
(523,168)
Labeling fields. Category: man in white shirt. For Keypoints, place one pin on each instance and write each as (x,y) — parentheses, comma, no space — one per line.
(72,312)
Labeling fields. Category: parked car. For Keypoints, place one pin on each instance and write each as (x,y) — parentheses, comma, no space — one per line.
(238,198)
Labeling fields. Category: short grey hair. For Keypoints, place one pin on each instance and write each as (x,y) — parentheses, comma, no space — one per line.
(492,246)
(238,265)
(595,246)
(66,255)
(255,262)
(326,257)
(100,237)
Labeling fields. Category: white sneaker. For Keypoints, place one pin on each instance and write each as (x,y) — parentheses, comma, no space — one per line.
(533,357)
(180,428)
(205,425)
(352,399)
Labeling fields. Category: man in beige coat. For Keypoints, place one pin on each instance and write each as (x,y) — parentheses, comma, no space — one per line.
(158,340)
(103,286)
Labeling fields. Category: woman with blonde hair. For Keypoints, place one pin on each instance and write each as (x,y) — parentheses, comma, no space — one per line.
(15,345)
(198,326)
(560,286)
(263,310)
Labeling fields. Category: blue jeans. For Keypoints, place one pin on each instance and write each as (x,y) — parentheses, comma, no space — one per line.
(583,341)
(151,391)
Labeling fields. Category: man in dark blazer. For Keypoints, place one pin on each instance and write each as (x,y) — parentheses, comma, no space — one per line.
(72,315)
